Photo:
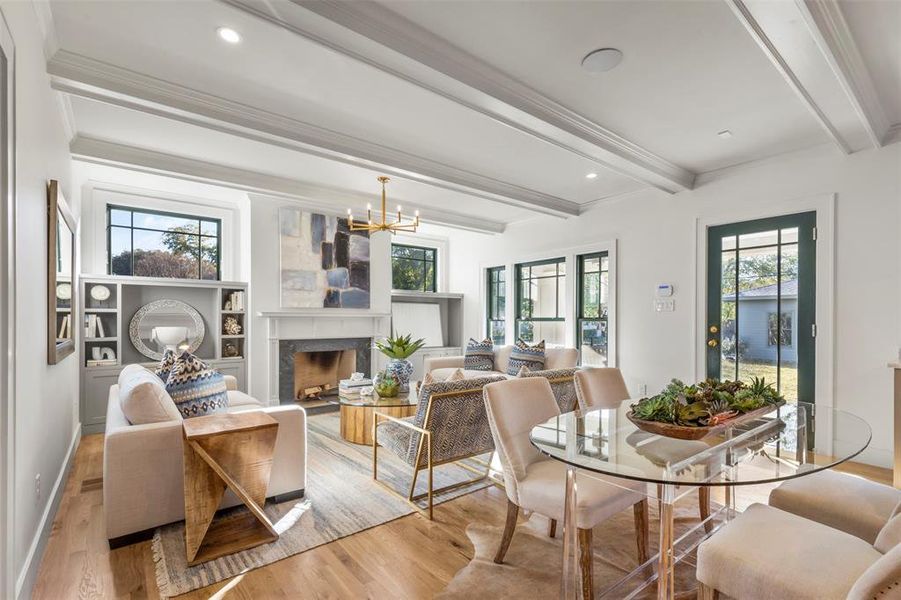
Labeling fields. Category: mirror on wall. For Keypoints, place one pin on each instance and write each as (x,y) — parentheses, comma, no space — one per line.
(61,284)
(166,325)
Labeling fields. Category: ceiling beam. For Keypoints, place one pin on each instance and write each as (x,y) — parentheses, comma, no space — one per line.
(397,46)
(333,199)
(89,78)
(811,46)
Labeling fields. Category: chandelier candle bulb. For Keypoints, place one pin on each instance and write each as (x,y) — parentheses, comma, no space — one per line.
(385,224)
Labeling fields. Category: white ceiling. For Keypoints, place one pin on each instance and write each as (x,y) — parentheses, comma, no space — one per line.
(455,144)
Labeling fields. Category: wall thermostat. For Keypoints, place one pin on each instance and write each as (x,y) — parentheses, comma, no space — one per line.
(664,290)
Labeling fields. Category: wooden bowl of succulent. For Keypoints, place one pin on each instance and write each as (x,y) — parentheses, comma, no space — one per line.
(692,412)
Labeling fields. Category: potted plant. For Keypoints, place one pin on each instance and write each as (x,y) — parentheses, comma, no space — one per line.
(399,348)
(386,385)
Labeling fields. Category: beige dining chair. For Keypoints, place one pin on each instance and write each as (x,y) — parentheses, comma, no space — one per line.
(536,483)
(767,553)
(604,387)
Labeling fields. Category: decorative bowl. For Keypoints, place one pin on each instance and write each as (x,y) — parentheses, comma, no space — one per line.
(686,432)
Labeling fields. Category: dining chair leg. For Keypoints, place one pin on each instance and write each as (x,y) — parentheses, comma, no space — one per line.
(552,528)
(707,593)
(704,507)
(586,563)
(642,529)
(509,528)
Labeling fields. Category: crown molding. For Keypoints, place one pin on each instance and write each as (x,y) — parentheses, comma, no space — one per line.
(96,151)
(893,135)
(810,45)
(462,78)
(47,26)
(96,80)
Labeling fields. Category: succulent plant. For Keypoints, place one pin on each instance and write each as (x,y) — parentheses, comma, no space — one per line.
(399,346)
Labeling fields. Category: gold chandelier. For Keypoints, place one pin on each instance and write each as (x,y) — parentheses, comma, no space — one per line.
(394,226)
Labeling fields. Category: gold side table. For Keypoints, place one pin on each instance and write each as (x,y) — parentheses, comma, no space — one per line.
(234,451)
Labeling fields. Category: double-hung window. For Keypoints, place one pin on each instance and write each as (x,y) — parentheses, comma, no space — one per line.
(414,268)
(497,305)
(148,243)
(591,316)
(541,301)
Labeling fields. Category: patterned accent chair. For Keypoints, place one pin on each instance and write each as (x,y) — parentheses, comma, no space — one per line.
(450,425)
(563,385)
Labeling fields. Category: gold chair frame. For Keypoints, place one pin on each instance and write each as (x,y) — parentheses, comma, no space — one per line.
(425,445)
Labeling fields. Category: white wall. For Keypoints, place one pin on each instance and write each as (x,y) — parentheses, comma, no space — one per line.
(46,413)
(657,239)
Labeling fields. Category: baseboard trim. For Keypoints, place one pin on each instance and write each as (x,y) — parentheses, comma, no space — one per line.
(29,574)
(142,536)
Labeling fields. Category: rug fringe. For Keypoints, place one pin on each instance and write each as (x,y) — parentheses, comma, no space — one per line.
(159,564)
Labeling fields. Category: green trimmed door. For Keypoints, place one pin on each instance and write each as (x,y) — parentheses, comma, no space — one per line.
(761,303)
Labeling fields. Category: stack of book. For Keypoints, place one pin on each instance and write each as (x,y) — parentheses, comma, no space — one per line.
(100,362)
(236,301)
(94,327)
(351,387)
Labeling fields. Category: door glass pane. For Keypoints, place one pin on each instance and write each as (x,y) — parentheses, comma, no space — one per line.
(593,343)
(758,238)
(728,350)
(788,368)
(757,299)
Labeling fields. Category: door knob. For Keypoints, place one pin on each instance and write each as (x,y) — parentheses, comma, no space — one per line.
(712,343)
(714,329)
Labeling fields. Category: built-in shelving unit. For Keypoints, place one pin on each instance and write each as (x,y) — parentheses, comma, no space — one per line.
(212,299)
(450,307)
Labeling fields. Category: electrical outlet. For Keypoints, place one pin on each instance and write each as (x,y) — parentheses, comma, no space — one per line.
(37,486)
(642,389)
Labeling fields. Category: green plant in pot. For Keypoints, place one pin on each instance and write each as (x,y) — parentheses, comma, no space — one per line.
(386,385)
(399,348)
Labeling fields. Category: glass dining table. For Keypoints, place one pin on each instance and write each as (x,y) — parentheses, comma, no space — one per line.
(794,440)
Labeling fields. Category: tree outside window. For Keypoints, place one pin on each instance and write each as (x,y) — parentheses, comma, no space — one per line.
(148,243)
(414,268)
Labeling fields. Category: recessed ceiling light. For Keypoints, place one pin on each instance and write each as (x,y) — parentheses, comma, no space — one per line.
(603,59)
(591,176)
(725,134)
(227,34)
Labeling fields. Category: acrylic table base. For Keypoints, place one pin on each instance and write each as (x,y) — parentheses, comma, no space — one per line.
(659,568)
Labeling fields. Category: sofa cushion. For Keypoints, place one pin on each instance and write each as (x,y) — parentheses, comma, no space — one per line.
(196,388)
(524,355)
(479,356)
(165,366)
(445,373)
(143,397)
(240,399)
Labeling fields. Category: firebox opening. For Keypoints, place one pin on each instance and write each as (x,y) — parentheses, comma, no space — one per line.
(317,374)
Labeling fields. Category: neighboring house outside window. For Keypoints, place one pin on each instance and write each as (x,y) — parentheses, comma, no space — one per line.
(148,243)
(414,268)
(497,305)
(541,301)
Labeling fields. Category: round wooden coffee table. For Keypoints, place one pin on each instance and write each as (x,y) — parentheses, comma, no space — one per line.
(356,414)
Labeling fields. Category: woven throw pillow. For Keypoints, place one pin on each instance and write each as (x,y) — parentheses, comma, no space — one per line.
(479,355)
(524,355)
(196,388)
(162,371)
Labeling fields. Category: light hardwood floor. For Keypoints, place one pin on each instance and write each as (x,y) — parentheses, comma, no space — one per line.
(410,557)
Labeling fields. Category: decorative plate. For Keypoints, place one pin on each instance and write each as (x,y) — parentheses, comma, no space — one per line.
(64,291)
(100,293)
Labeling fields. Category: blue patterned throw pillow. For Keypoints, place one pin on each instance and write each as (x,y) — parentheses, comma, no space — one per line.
(479,355)
(166,364)
(524,355)
(196,388)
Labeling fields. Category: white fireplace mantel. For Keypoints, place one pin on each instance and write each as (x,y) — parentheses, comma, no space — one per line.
(318,323)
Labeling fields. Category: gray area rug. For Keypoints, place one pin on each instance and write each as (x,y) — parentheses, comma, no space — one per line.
(341,499)
(534,561)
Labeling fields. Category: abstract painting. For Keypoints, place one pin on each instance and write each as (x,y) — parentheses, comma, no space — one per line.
(323,263)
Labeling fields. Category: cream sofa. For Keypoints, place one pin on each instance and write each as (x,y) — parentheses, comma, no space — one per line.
(554,358)
(142,467)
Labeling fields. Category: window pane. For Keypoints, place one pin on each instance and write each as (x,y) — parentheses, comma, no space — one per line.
(547,270)
(591,295)
(549,331)
(209,228)
(209,258)
(429,277)
(526,303)
(407,274)
(544,297)
(758,238)
(166,254)
(593,343)
(591,265)
(118,216)
(166,222)
(120,251)
(497,332)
